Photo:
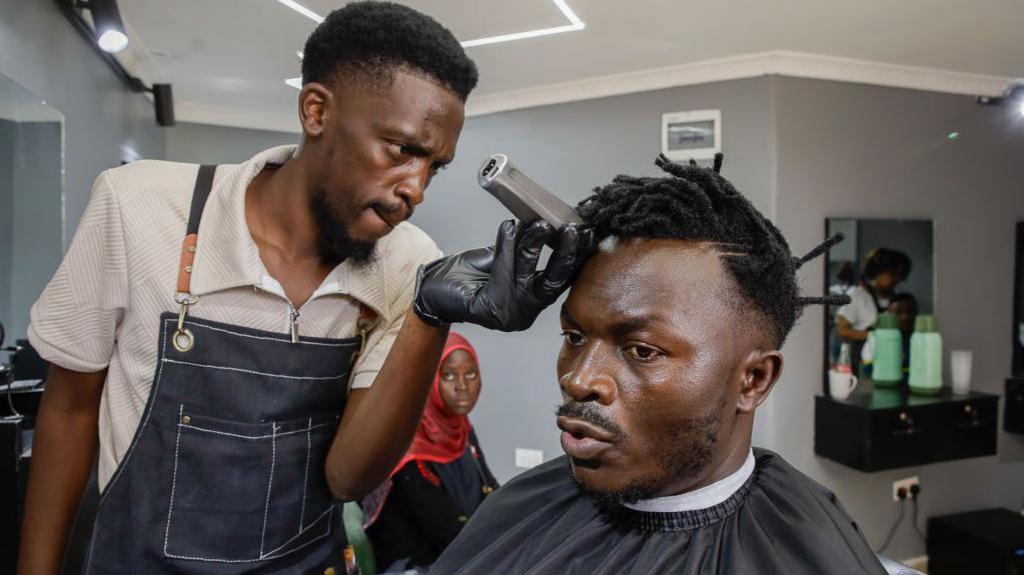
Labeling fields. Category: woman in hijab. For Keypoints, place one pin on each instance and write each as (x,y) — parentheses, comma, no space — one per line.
(442,478)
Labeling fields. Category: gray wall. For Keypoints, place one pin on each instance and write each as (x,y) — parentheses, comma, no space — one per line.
(35,243)
(204,144)
(41,51)
(854,150)
(7,131)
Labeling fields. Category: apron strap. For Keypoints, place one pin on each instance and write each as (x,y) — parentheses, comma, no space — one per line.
(204,184)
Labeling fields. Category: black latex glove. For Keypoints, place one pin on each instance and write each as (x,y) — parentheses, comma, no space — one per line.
(499,287)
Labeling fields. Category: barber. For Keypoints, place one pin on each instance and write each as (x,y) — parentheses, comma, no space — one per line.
(235,343)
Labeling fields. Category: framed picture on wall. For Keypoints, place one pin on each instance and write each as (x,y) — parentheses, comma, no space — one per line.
(696,134)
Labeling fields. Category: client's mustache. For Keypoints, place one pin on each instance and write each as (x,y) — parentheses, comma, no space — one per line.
(394,208)
(589,412)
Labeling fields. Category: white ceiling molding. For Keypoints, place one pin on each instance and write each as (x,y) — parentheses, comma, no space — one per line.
(782,63)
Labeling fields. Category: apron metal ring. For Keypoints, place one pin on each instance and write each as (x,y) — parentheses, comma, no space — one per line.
(182,339)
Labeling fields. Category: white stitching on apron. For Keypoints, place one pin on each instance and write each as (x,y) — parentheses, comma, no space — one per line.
(253,372)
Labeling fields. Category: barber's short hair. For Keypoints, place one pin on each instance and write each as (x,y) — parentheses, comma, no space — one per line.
(370,40)
(881,260)
(696,203)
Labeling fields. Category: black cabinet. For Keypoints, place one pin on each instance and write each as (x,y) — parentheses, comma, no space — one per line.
(886,429)
(986,541)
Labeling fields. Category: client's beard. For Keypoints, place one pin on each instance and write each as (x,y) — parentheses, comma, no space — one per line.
(334,242)
(683,451)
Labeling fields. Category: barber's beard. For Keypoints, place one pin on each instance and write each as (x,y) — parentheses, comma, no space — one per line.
(681,452)
(334,242)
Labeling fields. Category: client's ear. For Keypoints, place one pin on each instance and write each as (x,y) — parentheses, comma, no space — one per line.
(759,372)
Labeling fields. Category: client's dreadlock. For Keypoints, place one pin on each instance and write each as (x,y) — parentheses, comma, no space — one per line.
(699,204)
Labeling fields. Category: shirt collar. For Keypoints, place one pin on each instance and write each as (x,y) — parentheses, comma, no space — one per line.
(703,498)
(227,257)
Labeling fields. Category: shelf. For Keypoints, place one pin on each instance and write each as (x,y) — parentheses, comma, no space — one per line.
(890,428)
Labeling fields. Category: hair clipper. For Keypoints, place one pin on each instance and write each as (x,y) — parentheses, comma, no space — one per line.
(526,199)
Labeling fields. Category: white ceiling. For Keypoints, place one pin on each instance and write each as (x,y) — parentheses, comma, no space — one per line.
(228,59)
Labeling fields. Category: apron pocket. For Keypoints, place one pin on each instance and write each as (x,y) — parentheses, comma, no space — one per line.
(243,492)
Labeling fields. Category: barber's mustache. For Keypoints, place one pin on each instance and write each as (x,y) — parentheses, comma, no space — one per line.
(590,413)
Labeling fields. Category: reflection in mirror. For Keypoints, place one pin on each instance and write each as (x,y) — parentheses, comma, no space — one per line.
(31,202)
(887,269)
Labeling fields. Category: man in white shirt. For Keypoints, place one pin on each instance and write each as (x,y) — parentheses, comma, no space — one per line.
(883,269)
(236,345)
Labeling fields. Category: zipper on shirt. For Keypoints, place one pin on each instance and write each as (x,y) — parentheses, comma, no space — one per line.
(293,314)
(293,323)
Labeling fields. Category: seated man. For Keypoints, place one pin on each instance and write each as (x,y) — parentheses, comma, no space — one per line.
(671,341)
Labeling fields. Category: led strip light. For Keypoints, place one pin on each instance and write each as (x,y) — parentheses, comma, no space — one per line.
(574,24)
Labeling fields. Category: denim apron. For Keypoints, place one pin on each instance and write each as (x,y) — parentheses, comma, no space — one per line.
(225,471)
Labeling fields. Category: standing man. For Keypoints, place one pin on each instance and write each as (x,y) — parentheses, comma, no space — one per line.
(235,343)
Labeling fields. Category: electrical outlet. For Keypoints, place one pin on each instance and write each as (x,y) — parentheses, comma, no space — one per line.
(904,483)
(527,458)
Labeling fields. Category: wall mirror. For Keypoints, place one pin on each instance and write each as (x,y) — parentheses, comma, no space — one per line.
(31,202)
(886,267)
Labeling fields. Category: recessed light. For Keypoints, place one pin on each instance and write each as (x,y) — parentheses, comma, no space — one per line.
(294,82)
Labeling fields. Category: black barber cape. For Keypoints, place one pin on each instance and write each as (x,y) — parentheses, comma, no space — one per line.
(779,521)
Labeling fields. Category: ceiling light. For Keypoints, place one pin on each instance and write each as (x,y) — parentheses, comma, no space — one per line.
(574,24)
(112,41)
(1013,97)
(303,10)
(109,28)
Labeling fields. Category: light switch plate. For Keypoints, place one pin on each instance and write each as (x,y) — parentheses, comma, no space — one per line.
(527,458)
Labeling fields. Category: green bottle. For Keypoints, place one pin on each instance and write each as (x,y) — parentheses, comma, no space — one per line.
(925,357)
(887,370)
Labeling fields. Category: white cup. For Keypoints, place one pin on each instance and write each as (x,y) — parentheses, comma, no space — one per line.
(841,384)
(960,361)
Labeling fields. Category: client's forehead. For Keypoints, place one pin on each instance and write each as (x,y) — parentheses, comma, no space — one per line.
(677,282)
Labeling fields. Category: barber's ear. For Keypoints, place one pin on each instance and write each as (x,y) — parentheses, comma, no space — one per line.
(313,103)
(760,371)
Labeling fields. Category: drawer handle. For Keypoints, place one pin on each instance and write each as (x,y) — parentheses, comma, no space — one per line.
(909,423)
(972,419)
